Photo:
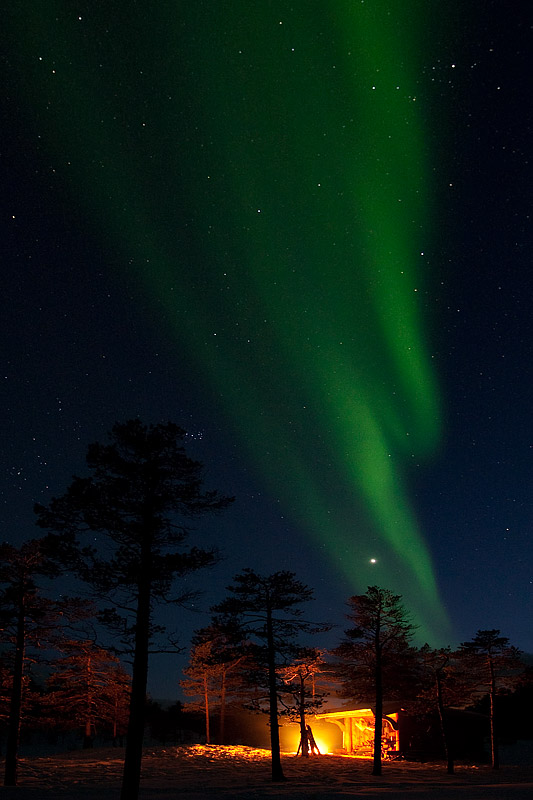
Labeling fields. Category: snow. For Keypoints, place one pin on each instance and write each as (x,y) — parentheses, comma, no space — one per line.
(243,773)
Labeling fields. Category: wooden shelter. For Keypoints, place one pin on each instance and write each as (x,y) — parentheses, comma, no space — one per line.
(412,737)
(357,727)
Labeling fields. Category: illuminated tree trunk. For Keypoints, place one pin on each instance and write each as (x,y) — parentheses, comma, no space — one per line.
(222,719)
(378,723)
(87,739)
(15,708)
(206,706)
(115,720)
(226,668)
(301,709)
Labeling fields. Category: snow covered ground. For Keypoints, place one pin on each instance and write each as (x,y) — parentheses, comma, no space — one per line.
(243,773)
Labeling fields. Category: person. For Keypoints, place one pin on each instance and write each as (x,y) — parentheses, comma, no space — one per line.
(311,741)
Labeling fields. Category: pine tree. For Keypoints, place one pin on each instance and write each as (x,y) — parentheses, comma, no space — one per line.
(300,678)
(441,685)
(202,681)
(28,620)
(88,688)
(262,616)
(142,490)
(118,695)
(375,658)
(229,670)
(493,665)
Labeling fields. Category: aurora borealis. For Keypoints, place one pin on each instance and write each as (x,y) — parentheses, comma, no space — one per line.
(268,182)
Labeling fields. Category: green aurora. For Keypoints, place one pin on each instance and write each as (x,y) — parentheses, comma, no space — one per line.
(266,173)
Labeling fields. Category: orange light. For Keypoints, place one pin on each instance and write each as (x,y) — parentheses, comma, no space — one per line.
(291,740)
(322,745)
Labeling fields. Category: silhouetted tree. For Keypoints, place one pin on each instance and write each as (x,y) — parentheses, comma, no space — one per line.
(165,723)
(6,687)
(515,710)
(142,489)
(28,618)
(262,615)
(441,685)
(493,665)
(375,657)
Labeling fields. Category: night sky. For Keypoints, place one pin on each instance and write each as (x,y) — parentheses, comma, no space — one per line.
(302,232)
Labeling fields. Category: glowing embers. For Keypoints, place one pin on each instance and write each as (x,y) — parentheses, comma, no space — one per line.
(217,753)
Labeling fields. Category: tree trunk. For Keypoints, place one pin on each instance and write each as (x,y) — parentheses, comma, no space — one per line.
(303,730)
(221,732)
(277,771)
(135,734)
(378,722)
(444,725)
(15,707)
(115,720)
(87,739)
(206,705)
(493,739)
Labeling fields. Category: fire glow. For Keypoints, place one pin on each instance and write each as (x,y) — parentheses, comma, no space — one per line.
(291,741)
(357,727)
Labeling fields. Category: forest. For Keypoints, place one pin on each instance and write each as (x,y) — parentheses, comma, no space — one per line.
(73,669)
